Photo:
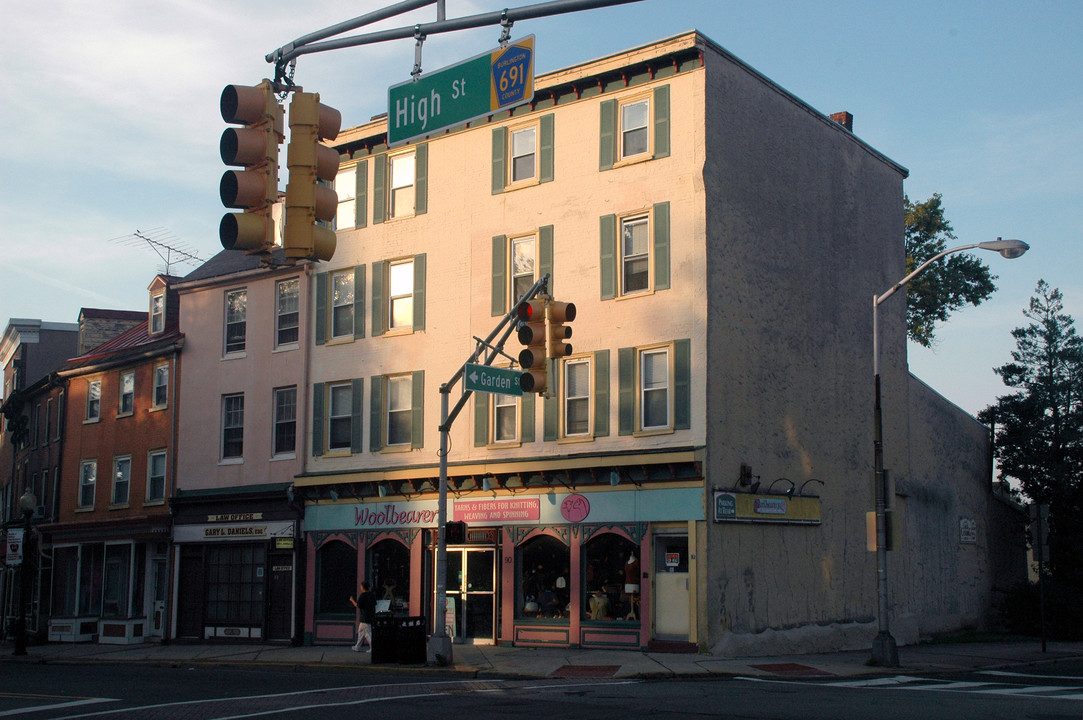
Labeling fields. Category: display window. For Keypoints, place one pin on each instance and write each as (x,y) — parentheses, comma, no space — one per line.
(389,575)
(543,572)
(611,579)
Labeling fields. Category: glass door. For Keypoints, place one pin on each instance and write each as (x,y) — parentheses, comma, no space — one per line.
(471,589)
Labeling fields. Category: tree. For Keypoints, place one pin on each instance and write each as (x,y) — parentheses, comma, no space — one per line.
(1039,431)
(948,284)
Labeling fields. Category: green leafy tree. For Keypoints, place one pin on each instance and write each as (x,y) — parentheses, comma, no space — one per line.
(1039,434)
(948,284)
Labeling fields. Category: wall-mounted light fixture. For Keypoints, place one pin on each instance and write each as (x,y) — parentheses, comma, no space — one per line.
(789,493)
(746,479)
(334,495)
(382,489)
(801,491)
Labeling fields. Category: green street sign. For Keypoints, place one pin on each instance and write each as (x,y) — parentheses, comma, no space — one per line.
(482,378)
(496,80)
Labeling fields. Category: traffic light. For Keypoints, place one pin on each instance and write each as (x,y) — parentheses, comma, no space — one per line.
(255,148)
(559,313)
(308,202)
(532,357)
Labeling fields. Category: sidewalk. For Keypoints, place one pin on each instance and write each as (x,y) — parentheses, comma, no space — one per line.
(505,661)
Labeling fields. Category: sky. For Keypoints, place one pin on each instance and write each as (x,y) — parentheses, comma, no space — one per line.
(109,127)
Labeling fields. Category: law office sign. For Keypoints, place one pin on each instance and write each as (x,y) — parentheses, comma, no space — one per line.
(496,80)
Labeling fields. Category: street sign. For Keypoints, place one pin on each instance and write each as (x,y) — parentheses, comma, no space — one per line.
(482,378)
(495,80)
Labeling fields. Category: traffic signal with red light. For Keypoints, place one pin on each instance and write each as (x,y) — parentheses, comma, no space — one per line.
(310,203)
(532,334)
(254,146)
(559,313)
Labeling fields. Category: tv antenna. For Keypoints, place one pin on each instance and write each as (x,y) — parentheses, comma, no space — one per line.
(165,244)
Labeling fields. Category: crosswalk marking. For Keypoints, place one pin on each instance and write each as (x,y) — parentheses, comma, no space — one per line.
(919,684)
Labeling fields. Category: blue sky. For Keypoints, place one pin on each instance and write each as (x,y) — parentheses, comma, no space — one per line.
(110,124)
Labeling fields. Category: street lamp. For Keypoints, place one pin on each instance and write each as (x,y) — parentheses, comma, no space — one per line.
(27,503)
(885,653)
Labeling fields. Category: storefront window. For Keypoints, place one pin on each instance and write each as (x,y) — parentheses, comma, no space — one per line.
(543,570)
(118,562)
(389,574)
(336,572)
(90,579)
(610,578)
(235,584)
(65,580)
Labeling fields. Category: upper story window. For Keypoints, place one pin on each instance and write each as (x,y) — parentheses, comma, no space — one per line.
(397,411)
(59,414)
(524,151)
(517,264)
(635,252)
(49,419)
(522,154)
(88,477)
(94,400)
(339,416)
(634,128)
(127,393)
(577,397)
(399,405)
(236,314)
(400,184)
(287,311)
(156,476)
(157,313)
(402,168)
(346,189)
(505,418)
(232,426)
(398,295)
(285,420)
(634,124)
(336,416)
(655,388)
(342,304)
(523,262)
(161,385)
(122,479)
(401,295)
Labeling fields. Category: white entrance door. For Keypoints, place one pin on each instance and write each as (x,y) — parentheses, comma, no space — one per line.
(671,587)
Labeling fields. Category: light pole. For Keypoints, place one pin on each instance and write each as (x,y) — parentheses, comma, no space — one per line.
(885,653)
(27,503)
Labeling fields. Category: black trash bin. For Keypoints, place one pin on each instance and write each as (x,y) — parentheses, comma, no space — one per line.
(411,641)
(384,640)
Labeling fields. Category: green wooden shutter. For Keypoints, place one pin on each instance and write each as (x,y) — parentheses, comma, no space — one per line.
(682,384)
(626,391)
(607,142)
(545,254)
(379,302)
(359,301)
(661,246)
(661,121)
(421,179)
(481,419)
(417,414)
(317,419)
(376,412)
(361,195)
(321,308)
(551,415)
(545,149)
(608,261)
(499,304)
(357,401)
(526,418)
(419,292)
(379,189)
(500,159)
(601,393)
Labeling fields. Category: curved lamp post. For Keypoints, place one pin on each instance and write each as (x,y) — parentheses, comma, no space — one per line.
(27,503)
(885,652)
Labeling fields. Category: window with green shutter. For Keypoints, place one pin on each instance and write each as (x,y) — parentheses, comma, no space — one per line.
(634,128)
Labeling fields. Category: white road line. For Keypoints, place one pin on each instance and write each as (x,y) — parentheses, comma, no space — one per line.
(1005,673)
(54,706)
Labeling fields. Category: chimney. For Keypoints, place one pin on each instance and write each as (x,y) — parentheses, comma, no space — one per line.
(845,119)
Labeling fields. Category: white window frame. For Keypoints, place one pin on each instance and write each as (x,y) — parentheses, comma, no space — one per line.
(336,414)
(93,401)
(400,297)
(289,319)
(642,389)
(645,220)
(161,386)
(344,304)
(506,405)
(580,398)
(404,406)
(157,313)
(628,126)
(346,189)
(514,273)
(153,478)
(49,419)
(59,414)
(236,315)
(523,131)
(232,420)
(122,481)
(285,415)
(88,477)
(396,184)
(126,377)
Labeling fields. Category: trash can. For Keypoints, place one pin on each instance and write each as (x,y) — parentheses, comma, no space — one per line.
(411,641)
(384,640)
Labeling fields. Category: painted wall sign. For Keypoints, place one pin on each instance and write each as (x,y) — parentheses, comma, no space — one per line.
(236,517)
(575,508)
(391,515)
(497,510)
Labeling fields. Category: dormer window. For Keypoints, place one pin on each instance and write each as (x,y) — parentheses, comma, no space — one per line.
(157,313)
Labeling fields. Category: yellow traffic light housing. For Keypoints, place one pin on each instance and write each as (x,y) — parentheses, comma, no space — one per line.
(558,313)
(310,203)
(532,334)
(255,148)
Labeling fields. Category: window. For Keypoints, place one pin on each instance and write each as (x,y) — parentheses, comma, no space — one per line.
(236,311)
(161,386)
(157,313)
(287,312)
(522,266)
(156,476)
(399,405)
(611,578)
(634,254)
(401,295)
(35,425)
(516,264)
(544,577)
(577,397)
(115,584)
(339,416)
(285,427)
(402,170)
(505,418)
(59,414)
(49,419)
(346,188)
(122,480)
(232,426)
(94,400)
(654,388)
(235,584)
(634,128)
(524,145)
(342,304)
(127,393)
(336,577)
(88,476)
